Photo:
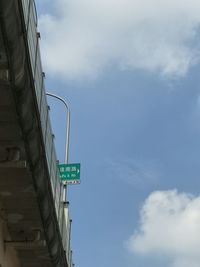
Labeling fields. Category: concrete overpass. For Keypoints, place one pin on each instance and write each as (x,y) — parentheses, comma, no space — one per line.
(34,221)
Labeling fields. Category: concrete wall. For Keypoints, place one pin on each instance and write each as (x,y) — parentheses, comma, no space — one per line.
(8,255)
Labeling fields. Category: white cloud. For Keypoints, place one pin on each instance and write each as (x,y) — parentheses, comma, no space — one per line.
(169,226)
(84,37)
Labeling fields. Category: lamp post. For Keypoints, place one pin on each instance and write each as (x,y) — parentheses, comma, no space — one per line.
(67,132)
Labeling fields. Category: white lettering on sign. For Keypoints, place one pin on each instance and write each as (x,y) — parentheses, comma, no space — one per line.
(62,169)
(67,169)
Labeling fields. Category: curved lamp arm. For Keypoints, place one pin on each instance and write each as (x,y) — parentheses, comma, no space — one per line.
(67,123)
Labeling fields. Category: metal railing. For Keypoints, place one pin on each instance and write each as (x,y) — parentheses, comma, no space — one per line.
(30,17)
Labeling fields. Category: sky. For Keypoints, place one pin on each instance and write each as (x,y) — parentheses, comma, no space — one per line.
(130,72)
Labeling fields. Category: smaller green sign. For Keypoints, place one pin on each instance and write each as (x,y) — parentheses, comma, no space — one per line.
(70,173)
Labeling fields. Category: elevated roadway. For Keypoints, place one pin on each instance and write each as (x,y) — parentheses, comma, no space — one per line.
(35,220)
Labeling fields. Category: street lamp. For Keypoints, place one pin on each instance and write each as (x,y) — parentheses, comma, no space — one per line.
(67,132)
(67,124)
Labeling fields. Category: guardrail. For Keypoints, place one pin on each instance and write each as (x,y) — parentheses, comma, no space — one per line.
(30,17)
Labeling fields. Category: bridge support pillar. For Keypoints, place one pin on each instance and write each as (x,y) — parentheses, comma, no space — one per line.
(8,254)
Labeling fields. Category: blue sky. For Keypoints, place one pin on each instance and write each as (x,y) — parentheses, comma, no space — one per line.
(130,71)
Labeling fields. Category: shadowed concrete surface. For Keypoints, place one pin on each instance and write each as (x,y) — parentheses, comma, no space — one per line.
(20,213)
(30,234)
(8,255)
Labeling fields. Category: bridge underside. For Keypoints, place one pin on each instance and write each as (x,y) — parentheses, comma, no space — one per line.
(19,202)
(26,200)
(20,212)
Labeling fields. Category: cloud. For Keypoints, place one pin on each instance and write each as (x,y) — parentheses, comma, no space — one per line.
(135,172)
(84,38)
(170,227)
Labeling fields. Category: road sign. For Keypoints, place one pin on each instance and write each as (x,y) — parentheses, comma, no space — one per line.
(70,173)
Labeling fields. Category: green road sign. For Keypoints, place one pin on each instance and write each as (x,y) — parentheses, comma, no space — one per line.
(70,173)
